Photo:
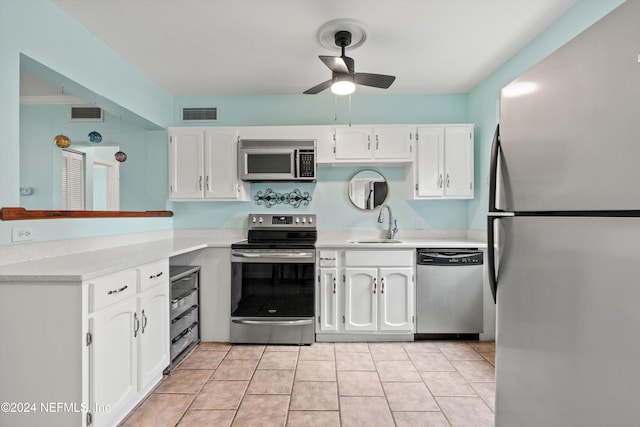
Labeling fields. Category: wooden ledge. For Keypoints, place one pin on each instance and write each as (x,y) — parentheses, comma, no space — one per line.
(12,214)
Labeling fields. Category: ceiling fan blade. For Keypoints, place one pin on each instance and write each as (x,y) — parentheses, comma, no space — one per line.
(335,63)
(318,88)
(376,80)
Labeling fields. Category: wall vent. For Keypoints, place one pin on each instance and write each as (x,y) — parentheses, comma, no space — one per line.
(199,114)
(86,114)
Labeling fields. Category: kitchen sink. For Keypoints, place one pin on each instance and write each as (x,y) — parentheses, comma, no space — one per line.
(375,241)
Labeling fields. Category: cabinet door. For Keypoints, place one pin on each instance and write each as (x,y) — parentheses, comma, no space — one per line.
(396,299)
(328,299)
(458,161)
(360,293)
(112,360)
(153,336)
(221,164)
(393,143)
(429,158)
(186,173)
(353,143)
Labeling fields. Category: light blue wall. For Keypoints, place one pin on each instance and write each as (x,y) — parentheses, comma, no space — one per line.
(483,99)
(143,171)
(329,193)
(43,32)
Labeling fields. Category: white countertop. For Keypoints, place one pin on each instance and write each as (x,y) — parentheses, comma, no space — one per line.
(411,243)
(90,264)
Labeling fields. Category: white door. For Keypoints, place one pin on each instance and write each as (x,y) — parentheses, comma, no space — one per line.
(106,185)
(72,180)
(353,143)
(361,302)
(186,174)
(392,143)
(429,159)
(221,164)
(153,336)
(112,360)
(396,299)
(458,161)
(328,299)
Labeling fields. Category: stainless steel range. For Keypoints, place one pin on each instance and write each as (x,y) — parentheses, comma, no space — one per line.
(272,281)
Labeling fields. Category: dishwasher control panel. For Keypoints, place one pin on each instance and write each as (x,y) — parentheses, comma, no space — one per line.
(449,257)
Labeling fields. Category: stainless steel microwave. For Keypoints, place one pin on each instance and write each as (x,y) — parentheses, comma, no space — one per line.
(261,160)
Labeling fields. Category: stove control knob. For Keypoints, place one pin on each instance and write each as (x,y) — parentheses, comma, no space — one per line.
(260,220)
(253,219)
(304,220)
(310,220)
(297,220)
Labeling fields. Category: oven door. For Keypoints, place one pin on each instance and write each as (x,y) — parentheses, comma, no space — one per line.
(272,296)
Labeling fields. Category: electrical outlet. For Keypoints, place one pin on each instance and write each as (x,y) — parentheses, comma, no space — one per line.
(21,234)
(419,223)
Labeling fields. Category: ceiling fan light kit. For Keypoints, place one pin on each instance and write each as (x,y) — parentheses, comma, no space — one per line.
(343,85)
(344,77)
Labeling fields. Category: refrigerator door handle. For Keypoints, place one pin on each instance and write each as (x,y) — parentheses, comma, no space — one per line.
(493,171)
(491,257)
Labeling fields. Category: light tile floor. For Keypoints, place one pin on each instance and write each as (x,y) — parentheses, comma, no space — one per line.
(422,383)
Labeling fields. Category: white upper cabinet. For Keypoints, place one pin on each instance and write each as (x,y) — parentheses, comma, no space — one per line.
(444,163)
(366,144)
(203,165)
(186,169)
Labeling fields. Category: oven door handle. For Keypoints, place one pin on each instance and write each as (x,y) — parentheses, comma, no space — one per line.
(274,322)
(274,255)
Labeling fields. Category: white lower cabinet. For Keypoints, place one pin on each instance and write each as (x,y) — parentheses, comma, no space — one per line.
(84,353)
(128,340)
(153,339)
(112,362)
(328,282)
(368,292)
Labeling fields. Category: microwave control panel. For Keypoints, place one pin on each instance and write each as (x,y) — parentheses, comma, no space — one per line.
(307,164)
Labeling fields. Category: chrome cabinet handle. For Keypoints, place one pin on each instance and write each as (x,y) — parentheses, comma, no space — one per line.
(136,323)
(448,180)
(440,181)
(200,182)
(375,285)
(207,183)
(334,285)
(382,286)
(377,142)
(144,321)
(117,291)
(155,276)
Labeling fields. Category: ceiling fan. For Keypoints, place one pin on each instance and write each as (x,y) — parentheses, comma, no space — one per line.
(344,78)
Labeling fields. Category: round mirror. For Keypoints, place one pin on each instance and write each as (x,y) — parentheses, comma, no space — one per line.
(368,189)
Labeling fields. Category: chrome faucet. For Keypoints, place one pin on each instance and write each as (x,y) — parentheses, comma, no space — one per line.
(391,232)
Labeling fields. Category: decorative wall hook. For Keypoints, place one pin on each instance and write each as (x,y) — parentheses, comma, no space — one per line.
(270,198)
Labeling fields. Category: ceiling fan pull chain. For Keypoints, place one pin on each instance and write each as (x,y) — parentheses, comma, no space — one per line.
(335,108)
(349,110)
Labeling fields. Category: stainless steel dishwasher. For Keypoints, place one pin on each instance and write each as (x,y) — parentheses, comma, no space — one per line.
(449,291)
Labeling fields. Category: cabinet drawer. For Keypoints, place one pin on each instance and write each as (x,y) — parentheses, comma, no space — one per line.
(110,289)
(181,304)
(399,258)
(179,324)
(152,274)
(183,341)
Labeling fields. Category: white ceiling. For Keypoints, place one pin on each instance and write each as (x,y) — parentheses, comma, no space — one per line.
(256,47)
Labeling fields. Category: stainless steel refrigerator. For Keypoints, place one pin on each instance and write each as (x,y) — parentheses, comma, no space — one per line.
(564,219)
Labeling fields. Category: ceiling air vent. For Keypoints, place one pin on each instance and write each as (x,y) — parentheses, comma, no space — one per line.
(199,114)
(86,114)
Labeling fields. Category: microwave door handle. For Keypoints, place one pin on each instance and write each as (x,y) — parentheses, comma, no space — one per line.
(296,162)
